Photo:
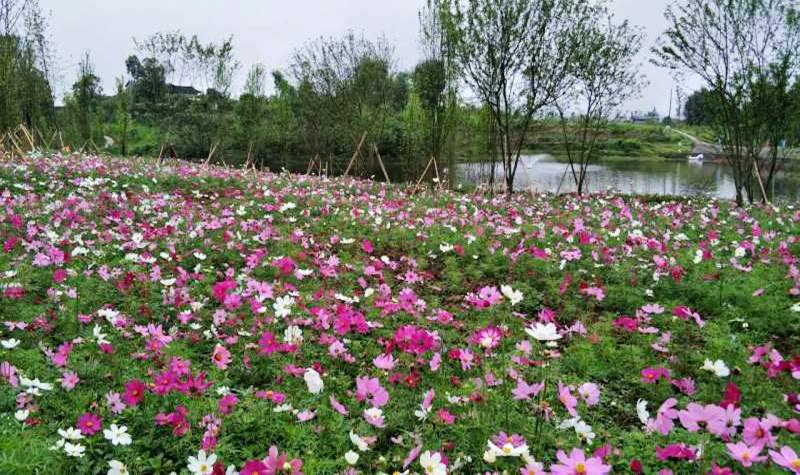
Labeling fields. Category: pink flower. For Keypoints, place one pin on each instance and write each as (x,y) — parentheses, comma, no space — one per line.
(590,393)
(569,401)
(339,407)
(69,380)
(726,425)
(524,391)
(446,417)
(9,373)
(276,463)
(89,423)
(114,402)
(786,458)
(487,338)
(577,464)
(745,454)
(666,414)
(384,361)
(697,417)
(268,344)
(221,357)
(374,416)
(371,390)
(758,432)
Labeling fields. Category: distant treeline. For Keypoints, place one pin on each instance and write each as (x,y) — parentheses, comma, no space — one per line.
(493,78)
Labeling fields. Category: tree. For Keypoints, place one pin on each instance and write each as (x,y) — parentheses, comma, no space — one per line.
(256,82)
(605,76)
(346,87)
(148,80)
(515,56)
(699,106)
(86,90)
(436,83)
(123,116)
(25,90)
(731,45)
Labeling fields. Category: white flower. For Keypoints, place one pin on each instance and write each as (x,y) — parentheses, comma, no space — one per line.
(445,247)
(515,296)
(740,252)
(70,434)
(507,450)
(117,468)
(9,344)
(74,450)
(796,307)
(21,415)
(547,332)
(313,381)
(641,411)
(201,465)
(719,368)
(283,306)
(351,457)
(432,463)
(360,443)
(118,435)
(293,335)
(584,432)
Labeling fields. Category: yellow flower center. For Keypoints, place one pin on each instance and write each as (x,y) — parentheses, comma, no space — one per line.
(796,464)
(745,456)
(580,468)
(203,468)
(507,449)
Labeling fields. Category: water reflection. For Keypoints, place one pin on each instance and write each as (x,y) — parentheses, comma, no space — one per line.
(543,173)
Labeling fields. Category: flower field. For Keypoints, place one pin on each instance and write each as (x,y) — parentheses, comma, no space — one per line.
(189,319)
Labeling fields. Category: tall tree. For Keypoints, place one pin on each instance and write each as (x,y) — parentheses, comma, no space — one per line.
(515,55)
(86,90)
(731,45)
(605,76)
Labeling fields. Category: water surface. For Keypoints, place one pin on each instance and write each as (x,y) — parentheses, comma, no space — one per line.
(544,174)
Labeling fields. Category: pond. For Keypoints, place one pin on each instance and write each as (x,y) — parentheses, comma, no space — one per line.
(543,173)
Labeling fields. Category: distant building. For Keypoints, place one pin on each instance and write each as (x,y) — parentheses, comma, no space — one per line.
(182,90)
(651,117)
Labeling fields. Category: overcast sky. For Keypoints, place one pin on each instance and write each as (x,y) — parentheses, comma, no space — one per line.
(268,31)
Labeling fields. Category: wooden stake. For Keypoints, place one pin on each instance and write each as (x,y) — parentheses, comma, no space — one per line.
(380,162)
(356,153)
(760,183)
(311,164)
(425,172)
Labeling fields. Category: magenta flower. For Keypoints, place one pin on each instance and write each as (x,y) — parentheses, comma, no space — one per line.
(89,423)
(577,464)
(134,392)
(652,375)
(254,467)
(227,403)
(675,451)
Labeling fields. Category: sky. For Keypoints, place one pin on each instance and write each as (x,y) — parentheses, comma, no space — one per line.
(268,31)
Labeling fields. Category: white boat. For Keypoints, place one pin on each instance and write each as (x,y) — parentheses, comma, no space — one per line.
(697,158)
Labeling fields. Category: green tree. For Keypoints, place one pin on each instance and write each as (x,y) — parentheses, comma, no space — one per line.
(734,46)
(86,91)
